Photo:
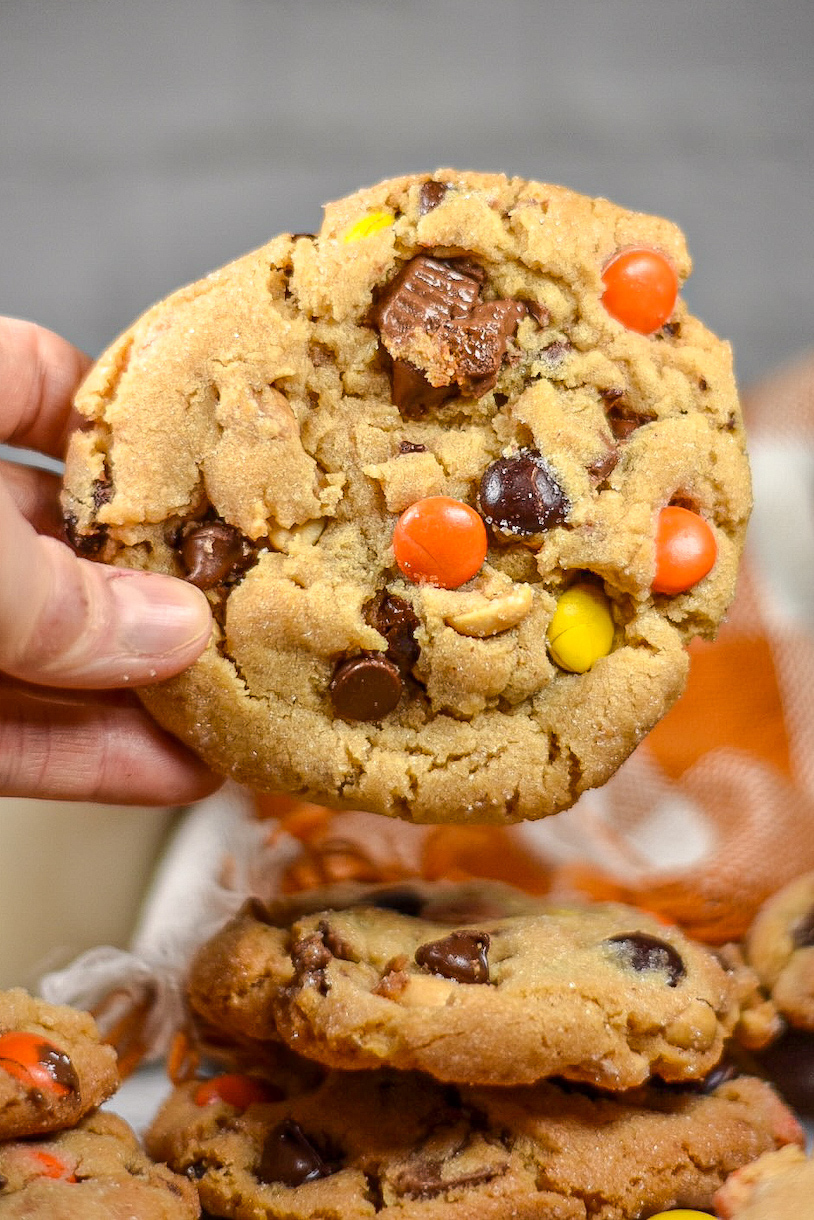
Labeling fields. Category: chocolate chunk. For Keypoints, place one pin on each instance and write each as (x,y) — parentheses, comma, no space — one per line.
(603,466)
(538,311)
(478,343)
(642,952)
(430,195)
(413,394)
(213,552)
(411,447)
(519,495)
(802,934)
(395,619)
(460,956)
(87,545)
(58,1065)
(289,1157)
(425,293)
(365,687)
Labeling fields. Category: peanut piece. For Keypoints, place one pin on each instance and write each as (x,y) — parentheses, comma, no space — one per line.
(496,615)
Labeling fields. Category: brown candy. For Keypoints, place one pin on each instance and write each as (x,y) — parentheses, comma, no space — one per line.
(213,552)
(641,951)
(460,956)
(426,292)
(395,619)
(802,934)
(365,687)
(289,1157)
(519,495)
(430,195)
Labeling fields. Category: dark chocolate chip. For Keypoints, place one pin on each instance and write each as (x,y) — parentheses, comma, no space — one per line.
(413,394)
(395,619)
(289,1157)
(365,687)
(411,447)
(460,956)
(425,293)
(430,195)
(519,495)
(400,898)
(802,934)
(213,552)
(641,951)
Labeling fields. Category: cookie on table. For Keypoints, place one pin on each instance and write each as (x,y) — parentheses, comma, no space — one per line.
(95,1171)
(54,1068)
(461,477)
(777,1186)
(597,993)
(389,1144)
(780,948)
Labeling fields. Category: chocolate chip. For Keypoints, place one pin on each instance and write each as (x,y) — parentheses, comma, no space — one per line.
(395,619)
(289,1157)
(102,492)
(213,552)
(460,956)
(538,311)
(87,545)
(411,447)
(555,353)
(413,394)
(641,952)
(430,195)
(623,420)
(519,495)
(196,1170)
(425,293)
(603,466)
(802,934)
(365,687)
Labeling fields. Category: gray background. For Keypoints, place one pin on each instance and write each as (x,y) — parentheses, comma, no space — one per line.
(143,143)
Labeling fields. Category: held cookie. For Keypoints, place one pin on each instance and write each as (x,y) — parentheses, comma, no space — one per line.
(780,948)
(96,1171)
(53,1066)
(387,1144)
(461,477)
(601,994)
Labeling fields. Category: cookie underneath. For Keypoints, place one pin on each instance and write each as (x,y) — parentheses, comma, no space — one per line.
(461,477)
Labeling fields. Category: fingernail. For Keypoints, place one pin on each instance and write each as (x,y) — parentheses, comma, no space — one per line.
(157,615)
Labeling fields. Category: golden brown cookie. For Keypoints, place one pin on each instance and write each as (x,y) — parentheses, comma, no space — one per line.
(95,1171)
(367,1144)
(780,948)
(53,1065)
(596,993)
(777,1186)
(461,477)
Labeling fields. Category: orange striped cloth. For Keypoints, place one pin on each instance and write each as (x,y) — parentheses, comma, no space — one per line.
(715,810)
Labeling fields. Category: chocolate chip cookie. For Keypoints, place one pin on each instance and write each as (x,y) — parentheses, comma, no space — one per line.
(780,948)
(599,993)
(53,1065)
(96,1171)
(778,1185)
(461,477)
(387,1144)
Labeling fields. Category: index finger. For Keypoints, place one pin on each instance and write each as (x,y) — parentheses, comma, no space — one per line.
(39,373)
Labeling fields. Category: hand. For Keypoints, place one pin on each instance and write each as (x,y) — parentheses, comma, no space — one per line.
(71,631)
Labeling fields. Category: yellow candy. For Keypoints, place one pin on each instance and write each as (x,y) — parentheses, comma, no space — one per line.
(683,1213)
(372,223)
(581,629)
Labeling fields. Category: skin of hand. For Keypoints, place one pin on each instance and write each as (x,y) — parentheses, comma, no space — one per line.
(74,634)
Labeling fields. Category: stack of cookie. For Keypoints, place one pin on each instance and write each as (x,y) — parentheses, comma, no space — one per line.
(61,1157)
(434,1049)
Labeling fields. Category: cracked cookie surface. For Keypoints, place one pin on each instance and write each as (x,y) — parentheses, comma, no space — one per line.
(395,1144)
(54,1067)
(95,1171)
(392,452)
(601,994)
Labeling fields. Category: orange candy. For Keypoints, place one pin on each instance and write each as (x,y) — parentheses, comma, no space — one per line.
(685,550)
(440,541)
(641,287)
(25,1056)
(236,1090)
(49,1166)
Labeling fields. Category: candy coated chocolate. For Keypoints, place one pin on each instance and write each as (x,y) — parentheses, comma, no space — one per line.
(519,495)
